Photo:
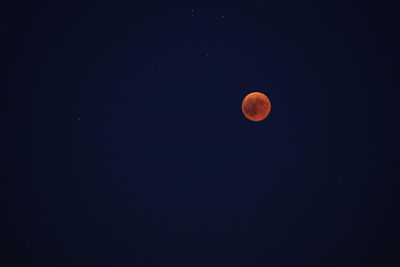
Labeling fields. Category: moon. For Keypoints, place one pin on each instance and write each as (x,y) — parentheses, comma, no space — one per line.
(256,106)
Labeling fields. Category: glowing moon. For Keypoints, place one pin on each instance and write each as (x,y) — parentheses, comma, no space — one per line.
(256,106)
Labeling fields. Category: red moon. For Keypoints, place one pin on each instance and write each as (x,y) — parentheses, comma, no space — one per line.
(256,106)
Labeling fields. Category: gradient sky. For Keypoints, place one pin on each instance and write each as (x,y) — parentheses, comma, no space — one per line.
(125,145)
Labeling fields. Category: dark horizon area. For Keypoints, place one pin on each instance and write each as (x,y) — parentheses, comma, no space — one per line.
(124,143)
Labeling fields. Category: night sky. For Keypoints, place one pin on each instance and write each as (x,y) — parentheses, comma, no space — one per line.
(124,143)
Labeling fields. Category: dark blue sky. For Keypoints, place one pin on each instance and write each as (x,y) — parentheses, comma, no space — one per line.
(124,142)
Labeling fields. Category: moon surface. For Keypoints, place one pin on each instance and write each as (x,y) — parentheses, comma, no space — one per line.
(256,106)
